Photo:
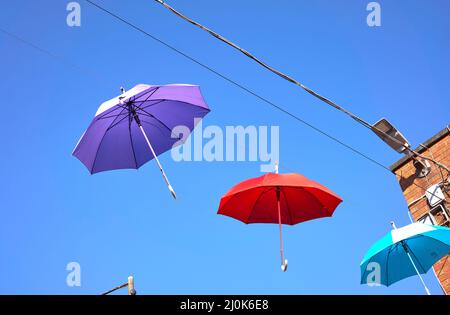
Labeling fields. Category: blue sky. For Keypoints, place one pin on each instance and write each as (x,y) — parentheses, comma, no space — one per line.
(124,222)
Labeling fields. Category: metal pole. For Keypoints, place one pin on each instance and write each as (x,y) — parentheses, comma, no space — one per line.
(131,290)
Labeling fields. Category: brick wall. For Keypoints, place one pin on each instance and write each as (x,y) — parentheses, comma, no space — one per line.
(438,148)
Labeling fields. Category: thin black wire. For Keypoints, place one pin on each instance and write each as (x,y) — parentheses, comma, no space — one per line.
(60,58)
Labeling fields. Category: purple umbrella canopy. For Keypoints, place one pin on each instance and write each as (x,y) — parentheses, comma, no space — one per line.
(136,126)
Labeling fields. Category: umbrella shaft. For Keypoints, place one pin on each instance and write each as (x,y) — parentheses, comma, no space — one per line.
(279,226)
(154,154)
(417,271)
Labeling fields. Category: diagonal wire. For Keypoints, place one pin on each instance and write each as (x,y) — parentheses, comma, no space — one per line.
(60,58)
(265,65)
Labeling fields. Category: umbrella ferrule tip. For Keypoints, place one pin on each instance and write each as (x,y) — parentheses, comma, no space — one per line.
(172,191)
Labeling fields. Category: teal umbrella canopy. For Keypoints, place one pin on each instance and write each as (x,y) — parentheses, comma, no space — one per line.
(404,252)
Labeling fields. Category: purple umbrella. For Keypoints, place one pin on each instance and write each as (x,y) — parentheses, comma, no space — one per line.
(120,134)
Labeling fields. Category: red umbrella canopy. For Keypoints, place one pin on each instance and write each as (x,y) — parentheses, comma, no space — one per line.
(256,200)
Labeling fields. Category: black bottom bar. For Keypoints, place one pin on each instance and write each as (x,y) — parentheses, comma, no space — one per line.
(227,303)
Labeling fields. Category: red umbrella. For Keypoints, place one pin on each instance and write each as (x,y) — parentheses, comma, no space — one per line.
(278,198)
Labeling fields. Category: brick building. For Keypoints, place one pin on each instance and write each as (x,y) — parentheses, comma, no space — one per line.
(429,203)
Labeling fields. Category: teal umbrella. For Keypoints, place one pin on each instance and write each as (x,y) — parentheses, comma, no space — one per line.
(405,252)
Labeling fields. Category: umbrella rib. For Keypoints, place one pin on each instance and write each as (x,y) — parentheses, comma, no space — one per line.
(134,97)
(287,206)
(315,199)
(106,113)
(185,103)
(153,124)
(152,116)
(98,148)
(256,202)
(139,108)
(158,101)
(134,104)
(156,125)
(365,269)
(434,239)
(131,140)
(410,250)
(422,235)
(387,265)
(148,91)
(142,109)
(115,116)
(232,197)
(118,122)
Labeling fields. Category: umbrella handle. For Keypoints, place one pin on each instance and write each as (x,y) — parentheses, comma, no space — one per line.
(284,265)
(284,262)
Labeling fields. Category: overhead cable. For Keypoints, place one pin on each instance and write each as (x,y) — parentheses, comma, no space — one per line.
(294,81)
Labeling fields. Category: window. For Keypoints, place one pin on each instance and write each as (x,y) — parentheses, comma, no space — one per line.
(438,215)
(427,219)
